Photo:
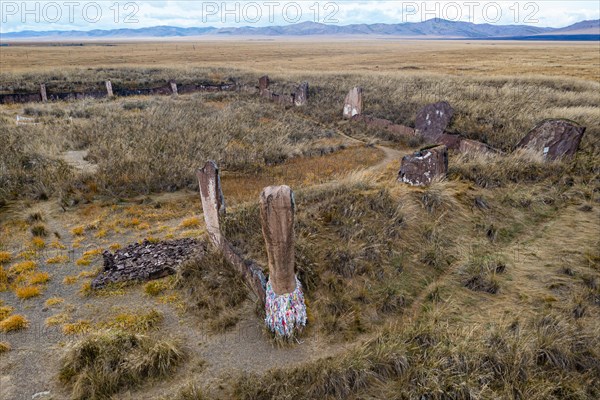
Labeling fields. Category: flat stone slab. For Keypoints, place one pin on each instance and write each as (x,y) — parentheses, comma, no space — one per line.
(554,139)
(422,167)
(146,261)
(472,147)
(433,119)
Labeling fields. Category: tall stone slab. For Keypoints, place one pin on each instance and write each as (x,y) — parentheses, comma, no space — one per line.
(213,202)
(173,88)
(301,95)
(554,139)
(353,104)
(285,310)
(433,119)
(109,91)
(263,83)
(277,216)
(43,93)
(422,167)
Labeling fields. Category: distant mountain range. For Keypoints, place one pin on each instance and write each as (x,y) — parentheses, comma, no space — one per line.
(433,28)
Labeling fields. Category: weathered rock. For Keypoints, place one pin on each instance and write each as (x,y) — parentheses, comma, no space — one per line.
(420,168)
(433,119)
(353,104)
(173,88)
(451,141)
(146,261)
(43,93)
(301,95)
(283,99)
(263,83)
(277,216)
(109,91)
(473,146)
(554,138)
(213,202)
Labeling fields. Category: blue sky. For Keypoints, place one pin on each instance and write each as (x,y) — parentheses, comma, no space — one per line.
(100,14)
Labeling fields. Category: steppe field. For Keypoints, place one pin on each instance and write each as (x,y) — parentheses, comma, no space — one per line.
(483,285)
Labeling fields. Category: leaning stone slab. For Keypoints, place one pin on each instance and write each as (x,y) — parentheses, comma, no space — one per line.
(263,83)
(433,119)
(301,95)
(451,141)
(213,202)
(353,104)
(472,147)
(422,167)
(554,138)
(285,308)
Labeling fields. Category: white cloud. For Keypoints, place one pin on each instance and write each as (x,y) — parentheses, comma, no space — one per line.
(87,15)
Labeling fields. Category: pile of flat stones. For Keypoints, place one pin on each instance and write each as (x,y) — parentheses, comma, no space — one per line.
(146,260)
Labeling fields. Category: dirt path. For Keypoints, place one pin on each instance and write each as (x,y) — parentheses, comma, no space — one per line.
(76,159)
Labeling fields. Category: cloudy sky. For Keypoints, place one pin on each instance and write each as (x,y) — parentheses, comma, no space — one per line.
(111,14)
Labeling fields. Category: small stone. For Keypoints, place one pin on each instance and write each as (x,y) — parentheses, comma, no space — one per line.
(422,167)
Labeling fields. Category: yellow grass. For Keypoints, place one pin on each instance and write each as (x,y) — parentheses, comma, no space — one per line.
(83,261)
(58,319)
(485,58)
(5,311)
(115,246)
(38,278)
(3,279)
(4,347)
(78,230)
(136,322)
(92,253)
(5,257)
(70,279)
(27,292)
(13,323)
(57,245)
(59,259)
(38,242)
(76,328)
(192,222)
(52,301)
(21,267)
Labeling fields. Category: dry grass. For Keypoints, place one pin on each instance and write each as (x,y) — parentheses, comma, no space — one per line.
(5,311)
(70,279)
(105,363)
(53,301)
(38,278)
(5,257)
(77,328)
(157,287)
(4,347)
(27,292)
(134,322)
(38,242)
(189,223)
(22,267)
(13,323)
(58,319)
(58,259)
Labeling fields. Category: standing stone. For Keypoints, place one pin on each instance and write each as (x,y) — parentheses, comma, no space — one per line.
(554,138)
(353,104)
(433,119)
(213,202)
(301,94)
(109,91)
(277,215)
(420,168)
(173,88)
(263,83)
(43,92)
(285,310)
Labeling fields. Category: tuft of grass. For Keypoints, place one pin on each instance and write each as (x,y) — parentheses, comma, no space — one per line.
(58,319)
(58,259)
(4,347)
(5,311)
(70,279)
(86,289)
(114,246)
(92,253)
(83,261)
(22,267)
(155,288)
(3,279)
(5,257)
(53,301)
(38,278)
(192,222)
(480,274)
(215,290)
(39,230)
(38,242)
(135,322)
(105,363)
(13,323)
(27,292)
(78,230)
(77,328)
